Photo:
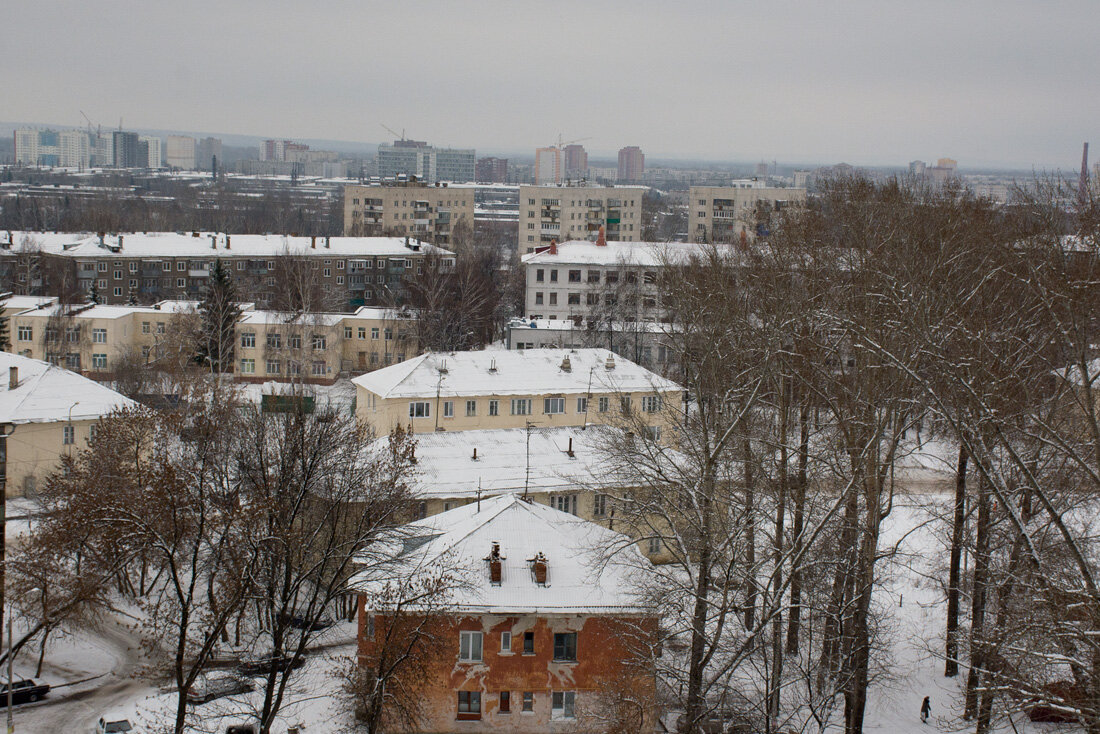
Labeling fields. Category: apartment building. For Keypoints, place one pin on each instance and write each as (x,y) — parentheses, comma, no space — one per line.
(414,208)
(346,272)
(601,281)
(653,345)
(179,152)
(52,411)
(631,164)
(577,212)
(528,641)
(728,214)
(69,148)
(97,340)
(463,391)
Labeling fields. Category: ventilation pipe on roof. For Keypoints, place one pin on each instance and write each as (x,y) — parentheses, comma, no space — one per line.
(475,454)
(213,242)
(101,236)
(553,248)
(569,451)
(194,233)
(227,242)
(566,365)
(493,364)
(313,242)
(610,363)
(496,569)
(601,238)
(120,242)
(13,378)
(328,242)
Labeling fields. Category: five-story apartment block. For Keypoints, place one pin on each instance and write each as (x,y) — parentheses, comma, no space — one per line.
(565,212)
(429,213)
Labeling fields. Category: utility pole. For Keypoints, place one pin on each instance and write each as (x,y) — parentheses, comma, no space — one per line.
(6,429)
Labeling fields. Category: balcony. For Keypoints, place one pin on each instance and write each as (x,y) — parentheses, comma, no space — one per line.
(204,273)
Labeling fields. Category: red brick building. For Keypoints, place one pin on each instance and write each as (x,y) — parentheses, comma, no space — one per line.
(534,640)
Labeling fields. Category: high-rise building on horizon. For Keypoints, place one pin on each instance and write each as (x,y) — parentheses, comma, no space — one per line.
(179,152)
(127,150)
(631,164)
(575,161)
(427,163)
(548,166)
(66,148)
(207,150)
(492,170)
(150,150)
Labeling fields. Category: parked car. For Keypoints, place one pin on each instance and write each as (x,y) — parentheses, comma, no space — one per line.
(303,623)
(113,727)
(23,691)
(264,666)
(215,685)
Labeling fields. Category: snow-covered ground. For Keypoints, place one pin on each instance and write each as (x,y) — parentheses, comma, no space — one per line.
(911,595)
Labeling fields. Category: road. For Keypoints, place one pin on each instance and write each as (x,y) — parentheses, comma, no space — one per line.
(78,708)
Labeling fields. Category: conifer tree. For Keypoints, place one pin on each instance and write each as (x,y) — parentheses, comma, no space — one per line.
(218,312)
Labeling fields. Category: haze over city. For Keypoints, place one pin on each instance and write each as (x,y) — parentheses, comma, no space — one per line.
(989,83)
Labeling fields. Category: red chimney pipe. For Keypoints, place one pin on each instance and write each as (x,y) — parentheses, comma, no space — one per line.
(601,238)
(553,247)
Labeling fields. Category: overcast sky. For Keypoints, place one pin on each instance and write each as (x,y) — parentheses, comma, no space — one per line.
(988,82)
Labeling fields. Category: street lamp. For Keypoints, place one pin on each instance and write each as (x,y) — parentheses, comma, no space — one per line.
(6,429)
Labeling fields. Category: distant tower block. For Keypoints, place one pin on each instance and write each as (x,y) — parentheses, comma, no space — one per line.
(1083,181)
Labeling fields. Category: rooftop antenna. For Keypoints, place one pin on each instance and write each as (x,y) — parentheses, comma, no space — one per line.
(1083,181)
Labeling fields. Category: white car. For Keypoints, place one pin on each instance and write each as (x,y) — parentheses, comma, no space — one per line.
(112,727)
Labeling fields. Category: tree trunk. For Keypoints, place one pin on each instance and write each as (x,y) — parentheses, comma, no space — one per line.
(750,538)
(975,678)
(958,527)
(796,529)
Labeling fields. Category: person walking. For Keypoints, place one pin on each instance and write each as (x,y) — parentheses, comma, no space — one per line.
(925,709)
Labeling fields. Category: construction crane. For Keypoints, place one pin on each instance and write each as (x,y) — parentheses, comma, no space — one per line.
(393,132)
(562,143)
(90,123)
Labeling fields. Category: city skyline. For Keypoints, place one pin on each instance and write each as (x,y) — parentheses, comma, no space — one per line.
(991,85)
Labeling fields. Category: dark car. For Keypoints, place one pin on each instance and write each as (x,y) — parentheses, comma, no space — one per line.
(23,691)
(304,623)
(264,666)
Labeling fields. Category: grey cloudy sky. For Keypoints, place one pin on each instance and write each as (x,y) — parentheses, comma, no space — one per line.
(874,82)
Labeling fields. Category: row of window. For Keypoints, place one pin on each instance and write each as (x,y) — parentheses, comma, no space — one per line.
(562,704)
(593,276)
(593,299)
(525,406)
(317,368)
(471,646)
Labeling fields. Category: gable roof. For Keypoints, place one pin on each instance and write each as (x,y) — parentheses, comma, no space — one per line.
(513,372)
(463,538)
(47,394)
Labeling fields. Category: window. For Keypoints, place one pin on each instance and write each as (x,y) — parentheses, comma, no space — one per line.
(69,436)
(565,646)
(101,267)
(582,405)
(505,702)
(420,410)
(181,266)
(506,642)
(652,433)
(604,404)
(593,276)
(273,367)
(164,267)
(72,361)
(240,265)
(274,341)
(72,334)
(317,341)
(494,407)
(160,327)
(528,701)
(374,332)
(564,503)
(294,341)
(651,403)
(347,332)
(561,704)
(553,276)
(539,275)
(99,336)
(469,647)
(248,366)
(26,334)
(469,705)
(574,276)
(574,299)
(388,333)
(99,361)
(521,406)
(553,406)
(612,277)
(529,643)
(624,404)
(471,408)
(654,546)
(118,292)
(318,367)
(118,275)
(599,505)
(553,299)
(362,332)
(448,409)
(180,283)
(538,298)
(248,339)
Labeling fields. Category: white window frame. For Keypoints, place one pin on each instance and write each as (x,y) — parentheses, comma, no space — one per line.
(448,409)
(563,704)
(553,406)
(471,647)
(420,409)
(521,406)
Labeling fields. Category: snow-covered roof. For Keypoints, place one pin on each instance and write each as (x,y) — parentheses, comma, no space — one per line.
(648,327)
(45,394)
(282,317)
(521,372)
(24,303)
(645,254)
(463,538)
(446,467)
(175,244)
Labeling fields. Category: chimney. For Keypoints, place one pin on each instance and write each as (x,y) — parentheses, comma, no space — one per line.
(475,453)
(194,233)
(328,242)
(539,567)
(566,365)
(13,378)
(601,238)
(101,236)
(610,363)
(569,451)
(227,242)
(495,565)
(553,247)
(120,242)
(313,242)
(493,364)
(213,242)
